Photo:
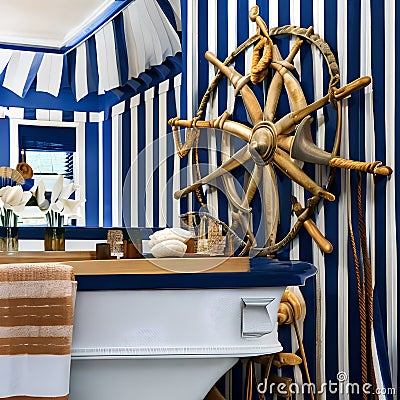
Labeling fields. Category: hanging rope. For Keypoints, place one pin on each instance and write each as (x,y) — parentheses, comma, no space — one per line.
(361,307)
(365,295)
(260,64)
(369,291)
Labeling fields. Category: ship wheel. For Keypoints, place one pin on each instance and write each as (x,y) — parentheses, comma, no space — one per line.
(271,142)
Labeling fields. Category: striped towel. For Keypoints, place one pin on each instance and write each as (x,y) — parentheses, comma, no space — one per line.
(36,317)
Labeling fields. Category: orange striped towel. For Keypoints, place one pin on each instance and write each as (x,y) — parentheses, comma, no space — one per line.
(36,318)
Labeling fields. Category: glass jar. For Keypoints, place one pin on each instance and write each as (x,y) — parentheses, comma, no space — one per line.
(54,239)
(8,238)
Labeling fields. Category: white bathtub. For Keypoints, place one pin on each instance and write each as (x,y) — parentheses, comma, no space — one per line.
(130,343)
(174,343)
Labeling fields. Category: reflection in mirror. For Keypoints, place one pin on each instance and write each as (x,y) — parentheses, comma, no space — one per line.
(115,102)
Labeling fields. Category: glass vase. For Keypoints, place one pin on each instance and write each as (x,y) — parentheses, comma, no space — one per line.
(54,239)
(8,238)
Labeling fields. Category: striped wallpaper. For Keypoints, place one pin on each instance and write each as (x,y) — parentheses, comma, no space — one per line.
(363,36)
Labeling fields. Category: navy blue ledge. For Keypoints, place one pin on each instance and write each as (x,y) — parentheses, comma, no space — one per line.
(81,233)
(263,273)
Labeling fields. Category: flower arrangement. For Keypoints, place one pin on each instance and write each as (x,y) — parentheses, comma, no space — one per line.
(12,201)
(60,207)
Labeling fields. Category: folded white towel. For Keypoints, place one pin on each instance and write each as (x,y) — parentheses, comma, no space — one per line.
(169,248)
(168,242)
(171,234)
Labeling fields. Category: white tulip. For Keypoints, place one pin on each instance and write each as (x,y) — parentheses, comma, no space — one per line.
(3,190)
(14,197)
(25,198)
(56,207)
(60,204)
(43,203)
(68,190)
(57,189)
(72,208)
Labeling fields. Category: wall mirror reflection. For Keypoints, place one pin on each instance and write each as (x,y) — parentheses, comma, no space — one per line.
(90,100)
(55,159)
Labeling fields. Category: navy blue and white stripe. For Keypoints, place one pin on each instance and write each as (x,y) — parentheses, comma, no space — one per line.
(364,37)
(135,40)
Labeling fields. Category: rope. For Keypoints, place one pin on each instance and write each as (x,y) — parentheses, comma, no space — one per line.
(202,214)
(249,380)
(304,216)
(195,157)
(363,315)
(316,40)
(219,75)
(368,167)
(369,292)
(260,64)
(365,295)
(191,135)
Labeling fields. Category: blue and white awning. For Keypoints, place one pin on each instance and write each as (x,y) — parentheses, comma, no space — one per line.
(138,38)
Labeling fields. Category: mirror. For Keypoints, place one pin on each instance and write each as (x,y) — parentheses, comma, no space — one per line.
(116,86)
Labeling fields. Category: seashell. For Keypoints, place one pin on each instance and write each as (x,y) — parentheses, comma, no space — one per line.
(25,170)
(169,248)
(11,173)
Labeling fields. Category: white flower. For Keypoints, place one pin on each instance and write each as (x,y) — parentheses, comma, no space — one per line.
(14,198)
(57,188)
(4,190)
(60,204)
(68,190)
(56,207)
(72,208)
(60,192)
(42,202)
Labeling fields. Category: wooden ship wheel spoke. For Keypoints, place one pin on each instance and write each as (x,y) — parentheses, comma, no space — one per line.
(270,142)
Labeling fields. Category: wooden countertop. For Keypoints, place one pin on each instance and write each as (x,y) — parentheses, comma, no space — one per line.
(18,257)
(85,263)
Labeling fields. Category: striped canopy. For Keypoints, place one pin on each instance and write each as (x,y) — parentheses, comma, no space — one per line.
(139,37)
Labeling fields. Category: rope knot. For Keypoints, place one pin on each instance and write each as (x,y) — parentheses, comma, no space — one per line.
(194,121)
(260,64)
(332,90)
(172,122)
